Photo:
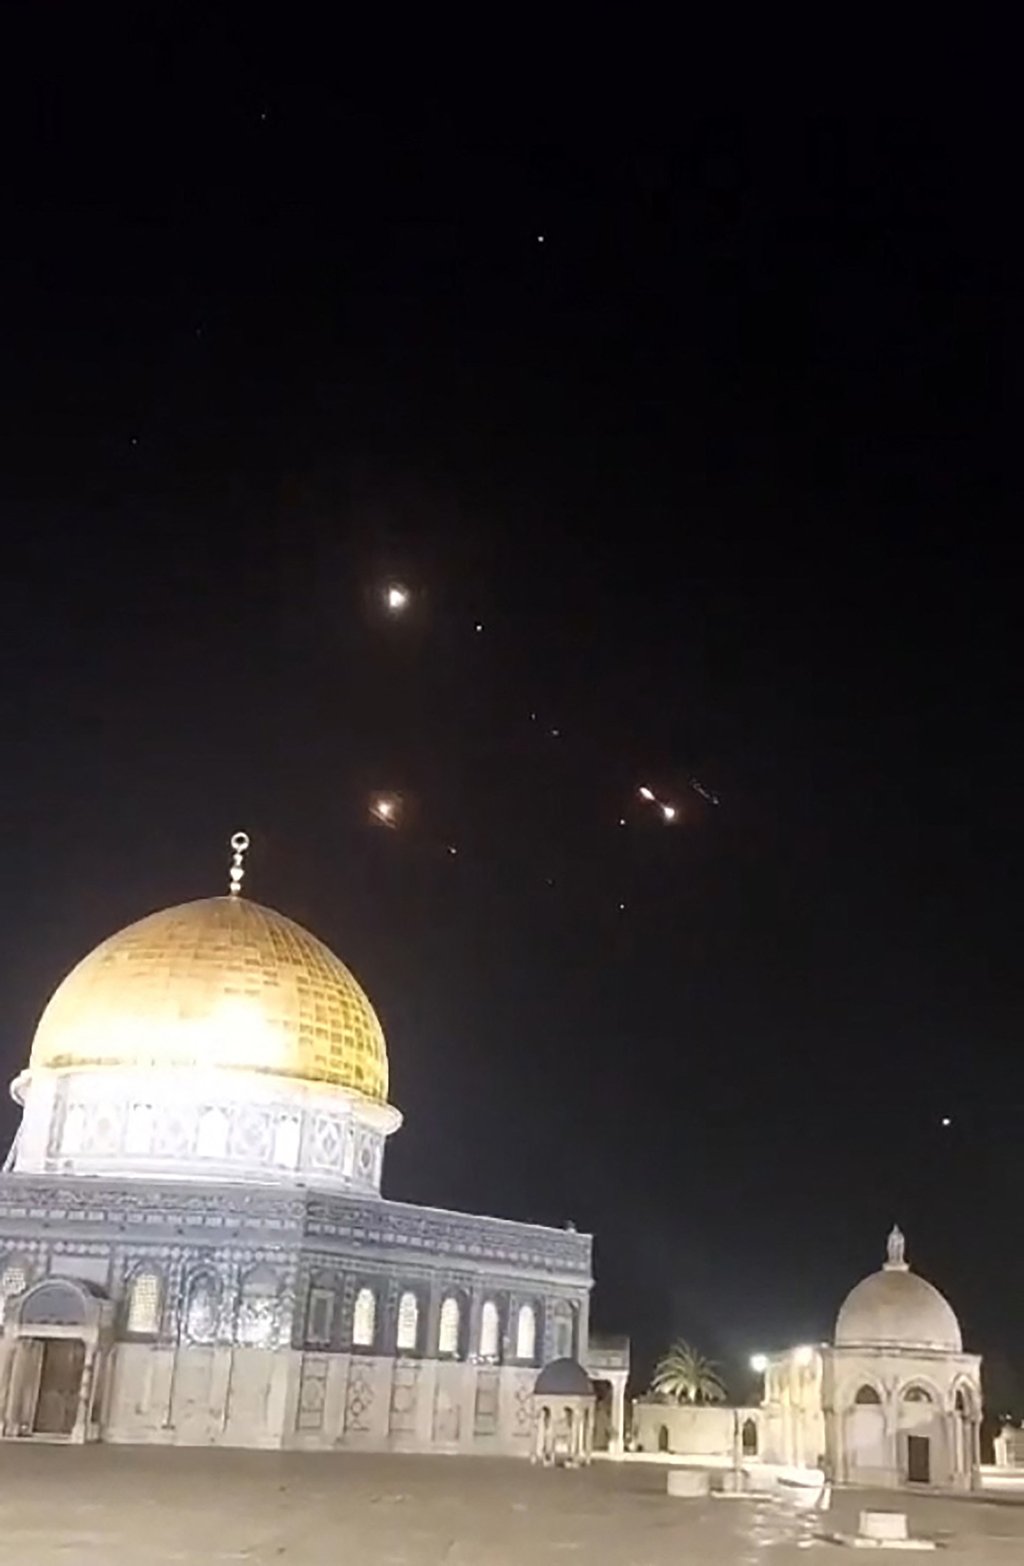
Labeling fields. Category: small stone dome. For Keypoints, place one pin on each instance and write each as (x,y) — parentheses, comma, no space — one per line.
(894,1308)
(563,1378)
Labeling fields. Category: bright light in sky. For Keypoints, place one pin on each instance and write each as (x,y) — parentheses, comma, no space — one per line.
(946,1121)
(386,808)
(397,597)
(669,812)
(759,1363)
(645,792)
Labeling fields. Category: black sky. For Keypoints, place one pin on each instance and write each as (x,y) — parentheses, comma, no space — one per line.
(722,468)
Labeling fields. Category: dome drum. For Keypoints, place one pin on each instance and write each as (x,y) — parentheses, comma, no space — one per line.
(205,1125)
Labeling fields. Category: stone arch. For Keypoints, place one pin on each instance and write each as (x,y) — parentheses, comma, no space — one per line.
(964,1400)
(867,1395)
(58,1302)
(920,1390)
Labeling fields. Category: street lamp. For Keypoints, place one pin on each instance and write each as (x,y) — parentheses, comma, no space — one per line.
(759,1363)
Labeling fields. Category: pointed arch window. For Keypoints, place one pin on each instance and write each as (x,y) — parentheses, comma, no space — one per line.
(563,1332)
(257,1308)
(74,1130)
(448,1330)
(408,1322)
(138,1137)
(489,1327)
(526,1332)
(319,1315)
(212,1141)
(364,1319)
(145,1296)
(867,1395)
(287,1136)
(203,1308)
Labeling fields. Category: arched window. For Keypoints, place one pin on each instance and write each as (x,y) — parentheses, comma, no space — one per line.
(749,1436)
(319,1315)
(526,1332)
(917,1395)
(212,1141)
(663,1438)
(408,1322)
(74,1130)
(489,1326)
(13,1281)
(138,1136)
(286,1142)
(364,1319)
(866,1394)
(562,1333)
(348,1156)
(257,1308)
(144,1296)
(448,1330)
(202,1309)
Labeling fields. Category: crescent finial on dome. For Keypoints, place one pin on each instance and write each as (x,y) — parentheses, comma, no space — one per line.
(239,844)
(896,1245)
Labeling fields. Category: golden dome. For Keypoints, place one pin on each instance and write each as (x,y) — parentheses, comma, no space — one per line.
(222,982)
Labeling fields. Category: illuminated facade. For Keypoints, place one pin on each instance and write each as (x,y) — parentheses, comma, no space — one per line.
(193,1244)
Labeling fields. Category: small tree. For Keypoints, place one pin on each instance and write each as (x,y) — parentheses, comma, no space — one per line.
(687,1377)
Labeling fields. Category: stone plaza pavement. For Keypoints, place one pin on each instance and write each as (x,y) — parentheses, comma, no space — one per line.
(131,1506)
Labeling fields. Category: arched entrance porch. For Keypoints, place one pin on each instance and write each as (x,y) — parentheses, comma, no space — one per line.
(55,1345)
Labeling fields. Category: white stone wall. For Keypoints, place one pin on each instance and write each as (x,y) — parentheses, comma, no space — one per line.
(693,1430)
(192,1396)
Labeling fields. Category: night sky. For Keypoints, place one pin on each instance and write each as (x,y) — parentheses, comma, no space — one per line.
(719,466)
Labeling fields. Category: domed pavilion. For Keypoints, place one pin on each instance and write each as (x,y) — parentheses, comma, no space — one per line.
(893,1401)
(193,1245)
(902,1400)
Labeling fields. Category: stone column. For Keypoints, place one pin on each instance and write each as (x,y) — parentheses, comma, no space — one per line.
(80,1430)
(616,1440)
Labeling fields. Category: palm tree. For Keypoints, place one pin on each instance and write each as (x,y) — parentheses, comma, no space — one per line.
(686,1376)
